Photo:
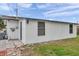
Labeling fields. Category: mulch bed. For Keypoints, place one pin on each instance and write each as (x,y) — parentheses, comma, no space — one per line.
(3,53)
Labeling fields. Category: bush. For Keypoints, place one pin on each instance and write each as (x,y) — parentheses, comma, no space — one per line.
(2,26)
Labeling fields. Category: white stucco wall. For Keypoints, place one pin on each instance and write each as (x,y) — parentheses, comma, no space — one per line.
(24,31)
(53,31)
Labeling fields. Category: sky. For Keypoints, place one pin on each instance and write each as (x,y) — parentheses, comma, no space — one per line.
(68,12)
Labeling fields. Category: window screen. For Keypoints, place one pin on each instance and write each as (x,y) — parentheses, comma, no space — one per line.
(71,28)
(41,28)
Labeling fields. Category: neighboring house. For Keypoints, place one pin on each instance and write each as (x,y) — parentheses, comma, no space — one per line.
(30,30)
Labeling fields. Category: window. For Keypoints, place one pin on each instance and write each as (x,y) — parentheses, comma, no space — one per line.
(27,21)
(41,28)
(71,28)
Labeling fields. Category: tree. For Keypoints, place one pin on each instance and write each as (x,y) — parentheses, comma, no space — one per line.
(2,26)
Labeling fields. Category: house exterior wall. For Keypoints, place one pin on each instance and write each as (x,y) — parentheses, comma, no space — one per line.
(24,29)
(53,31)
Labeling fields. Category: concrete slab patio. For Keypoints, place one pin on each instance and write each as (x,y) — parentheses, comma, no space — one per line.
(9,45)
(4,44)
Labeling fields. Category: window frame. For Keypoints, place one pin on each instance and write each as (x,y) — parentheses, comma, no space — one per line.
(41,27)
(71,28)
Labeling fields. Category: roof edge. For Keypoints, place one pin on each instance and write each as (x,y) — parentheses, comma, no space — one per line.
(17,18)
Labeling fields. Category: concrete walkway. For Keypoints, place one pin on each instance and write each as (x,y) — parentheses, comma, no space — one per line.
(4,44)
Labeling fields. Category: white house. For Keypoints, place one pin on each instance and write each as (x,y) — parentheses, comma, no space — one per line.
(30,30)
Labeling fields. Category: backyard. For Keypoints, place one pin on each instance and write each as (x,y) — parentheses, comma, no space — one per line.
(66,47)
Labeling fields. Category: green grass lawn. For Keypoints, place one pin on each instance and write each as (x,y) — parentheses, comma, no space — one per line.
(66,47)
